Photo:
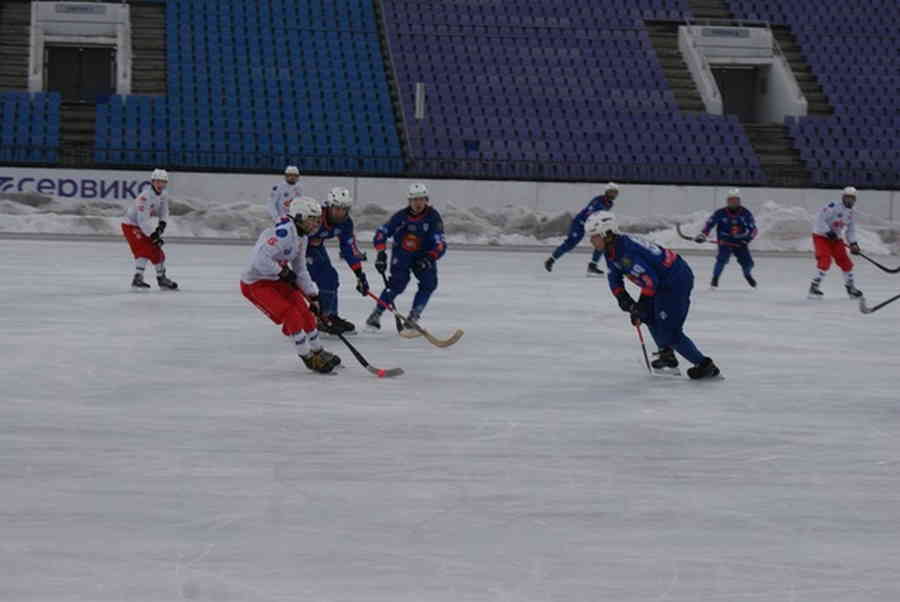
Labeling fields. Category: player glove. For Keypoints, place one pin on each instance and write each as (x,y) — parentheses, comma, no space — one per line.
(423,264)
(641,310)
(156,235)
(700,238)
(161,226)
(854,248)
(314,306)
(287,275)
(362,284)
(832,235)
(381,262)
(548,265)
(626,303)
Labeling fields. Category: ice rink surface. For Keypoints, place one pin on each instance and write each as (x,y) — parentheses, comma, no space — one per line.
(167,446)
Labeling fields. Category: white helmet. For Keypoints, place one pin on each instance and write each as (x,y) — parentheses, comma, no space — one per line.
(304,207)
(417,191)
(849,191)
(734,193)
(159,174)
(612,186)
(339,197)
(291,170)
(601,223)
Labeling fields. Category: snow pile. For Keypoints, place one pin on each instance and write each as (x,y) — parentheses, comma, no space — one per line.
(782,228)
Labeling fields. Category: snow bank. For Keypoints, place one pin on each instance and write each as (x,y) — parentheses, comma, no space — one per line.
(782,228)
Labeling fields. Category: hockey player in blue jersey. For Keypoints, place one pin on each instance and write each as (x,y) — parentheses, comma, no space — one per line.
(735,229)
(336,223)
(665,280)
(603,202)
(418,243)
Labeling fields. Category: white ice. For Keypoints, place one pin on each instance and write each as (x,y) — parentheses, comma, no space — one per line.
(167,446)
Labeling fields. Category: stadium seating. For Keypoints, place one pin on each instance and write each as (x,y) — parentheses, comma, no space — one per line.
(853,48)
(30,132)
(259,84)
(565,89)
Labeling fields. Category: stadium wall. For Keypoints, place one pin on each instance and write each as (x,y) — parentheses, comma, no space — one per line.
(551,197)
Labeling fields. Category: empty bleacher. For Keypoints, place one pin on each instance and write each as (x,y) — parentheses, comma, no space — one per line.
(853,47)
(254,85)
(30,131)
(567,89)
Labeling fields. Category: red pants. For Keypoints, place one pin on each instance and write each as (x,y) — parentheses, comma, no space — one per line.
(141,246)
(283,303)
(826,249)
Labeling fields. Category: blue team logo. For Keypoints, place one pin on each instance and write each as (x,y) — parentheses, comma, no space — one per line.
(281,232)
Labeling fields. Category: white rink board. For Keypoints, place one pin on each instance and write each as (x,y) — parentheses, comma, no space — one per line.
(229,188)
(166,446)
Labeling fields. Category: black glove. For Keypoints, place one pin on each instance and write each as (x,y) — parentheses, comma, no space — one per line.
(548,265)
(700,238)
(832,235)
(156,239)
(641,310)
(314,305)
(626,303)
(362,284)
(423,264)
(381,262)
(854,248)
(161,226)
(287,275)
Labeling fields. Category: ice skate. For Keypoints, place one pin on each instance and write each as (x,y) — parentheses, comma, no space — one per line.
(166,284)
(321,361)
(750,280)
(705,369)
(853,292)
(665,362)
(814,291)
(137,283)
(373,322)
(593,271)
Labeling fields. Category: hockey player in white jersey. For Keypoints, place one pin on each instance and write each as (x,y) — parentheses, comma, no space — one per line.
(278,282)
(832,221)
(146,243)
(282,194)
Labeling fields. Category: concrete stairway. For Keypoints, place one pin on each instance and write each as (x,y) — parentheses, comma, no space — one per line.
(664,36)
(148,44)
(779,159)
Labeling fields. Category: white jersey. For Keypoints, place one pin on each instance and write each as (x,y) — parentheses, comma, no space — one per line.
(835,217)
(277,246)
(280,199)
(147,205)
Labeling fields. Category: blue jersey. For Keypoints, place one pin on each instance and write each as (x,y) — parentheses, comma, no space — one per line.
(732,225)
(598,203)
(644,263)
(414,234)
(343,231)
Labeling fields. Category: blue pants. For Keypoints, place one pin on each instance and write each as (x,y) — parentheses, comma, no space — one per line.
(325,276)
(401,266)
(742,253)
(576,233)
(670,309)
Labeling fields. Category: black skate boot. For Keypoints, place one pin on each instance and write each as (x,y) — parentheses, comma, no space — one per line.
(814,291)
(326,325)
(374,319)
(548,265)
(343,325)
(665,361)
(853,292)
(593,270)
(714,284)
(750,280)
(166,284)
(705,369)
(138,282)
(321,361)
